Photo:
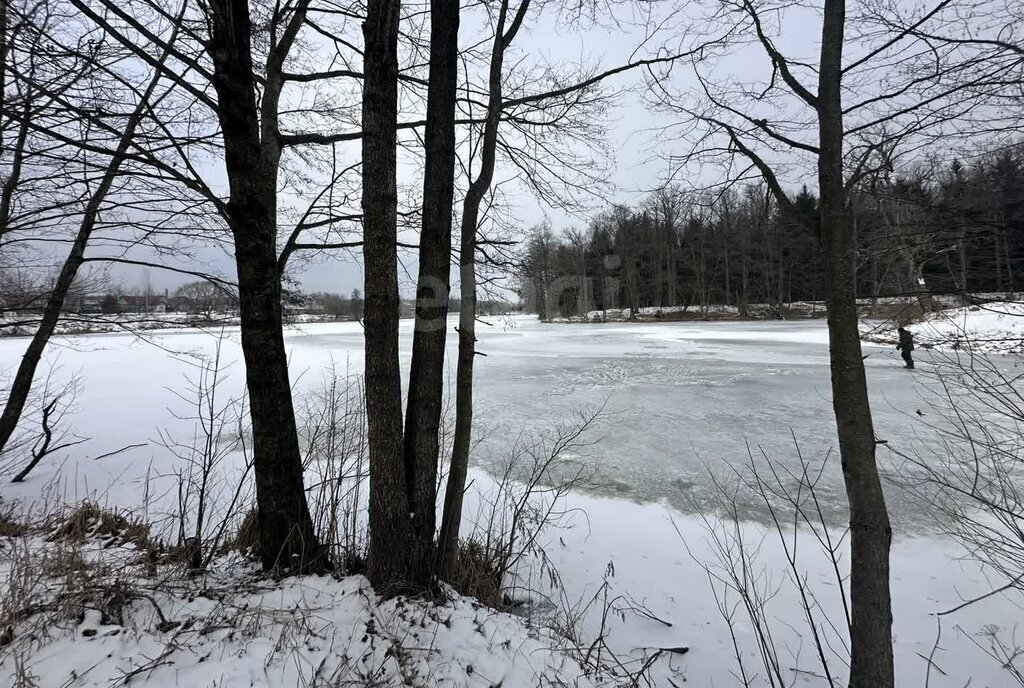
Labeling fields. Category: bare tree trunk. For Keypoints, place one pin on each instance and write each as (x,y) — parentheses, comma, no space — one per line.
(871,663)
(389,515)
(451,520)
(782,274)
(963,265)
(1008,264)
(584,284)
(997,258)
(673,271)
(728,281)
(252,156)
(4,48)
(426,377)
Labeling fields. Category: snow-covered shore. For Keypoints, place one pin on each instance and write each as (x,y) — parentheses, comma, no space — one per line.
(991,327)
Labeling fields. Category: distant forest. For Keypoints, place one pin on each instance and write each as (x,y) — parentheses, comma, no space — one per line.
(952,228)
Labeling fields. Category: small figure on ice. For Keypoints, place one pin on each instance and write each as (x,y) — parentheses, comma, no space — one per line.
(906,347)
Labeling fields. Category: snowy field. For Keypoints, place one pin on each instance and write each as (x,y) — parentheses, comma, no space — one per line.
(680,402)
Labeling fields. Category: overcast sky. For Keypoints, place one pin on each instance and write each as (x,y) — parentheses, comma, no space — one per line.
(640,152)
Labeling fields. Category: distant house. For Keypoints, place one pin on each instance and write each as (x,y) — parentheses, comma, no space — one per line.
(91,303)
(149,303)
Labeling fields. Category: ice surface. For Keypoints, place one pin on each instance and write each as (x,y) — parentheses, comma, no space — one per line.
(679,399)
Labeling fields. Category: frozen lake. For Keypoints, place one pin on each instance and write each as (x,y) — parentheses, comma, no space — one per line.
(679,399)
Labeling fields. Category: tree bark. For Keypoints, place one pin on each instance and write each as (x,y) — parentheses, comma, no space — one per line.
(451,519)
(871,661)
(252,155)
(389,515)
(4,48)
(426,376)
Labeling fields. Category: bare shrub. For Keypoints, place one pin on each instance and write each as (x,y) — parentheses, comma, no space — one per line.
(44,430)
(209,499)
(745,588)
(970,471)
(972,467)
(528,497)
(333,426)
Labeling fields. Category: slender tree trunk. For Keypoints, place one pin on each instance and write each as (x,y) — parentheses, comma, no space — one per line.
(252,156)
(3,69)
(728,281)
(997,259)
(962,256)
(1008,264)
(426,377)
(389,498)
(871,662)
(673,272)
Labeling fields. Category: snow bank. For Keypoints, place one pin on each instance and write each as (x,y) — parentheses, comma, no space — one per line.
(996,327)
(109,621)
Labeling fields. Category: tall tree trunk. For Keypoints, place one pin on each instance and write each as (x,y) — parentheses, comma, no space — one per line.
(673,272)
(871,661)
(389,498)
(451,519)
(728,281)
(1007,263)
(584,284)
(252,156)
(962,254)
(4,49)
(426,377)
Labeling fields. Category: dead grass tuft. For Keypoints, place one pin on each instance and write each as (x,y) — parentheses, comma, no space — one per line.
(478,575)
(110,599)
(11,527)
(247,537)
(89,520)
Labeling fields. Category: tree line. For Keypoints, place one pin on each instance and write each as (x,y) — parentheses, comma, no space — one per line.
(933,228)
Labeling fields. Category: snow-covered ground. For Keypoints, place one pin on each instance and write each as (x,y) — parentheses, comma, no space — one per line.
(679,400)
(994,327)
(233,627)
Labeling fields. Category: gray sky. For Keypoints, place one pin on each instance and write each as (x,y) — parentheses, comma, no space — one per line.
(636,138)
(633,165)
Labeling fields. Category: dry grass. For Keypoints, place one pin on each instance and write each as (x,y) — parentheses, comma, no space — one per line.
(10,527)
(89,520)
(247,537)
(478,574)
